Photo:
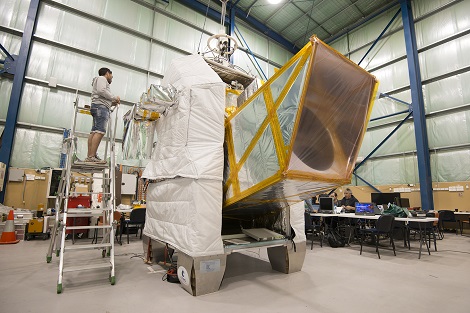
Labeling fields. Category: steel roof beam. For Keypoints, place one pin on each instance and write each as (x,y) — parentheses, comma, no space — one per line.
(320,24)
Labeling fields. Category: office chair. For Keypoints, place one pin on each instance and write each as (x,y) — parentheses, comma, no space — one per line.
(466,222)
(312,229)
(136,221)
(383,226)
(446,216)
(435,225)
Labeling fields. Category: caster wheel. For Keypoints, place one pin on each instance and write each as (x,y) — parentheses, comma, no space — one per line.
(48,259)
(59,288)
(113,280)
(103,253)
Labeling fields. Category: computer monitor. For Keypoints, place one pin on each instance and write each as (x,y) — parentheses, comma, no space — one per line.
(384,197)
(326,204)
(364,208)
(404,202)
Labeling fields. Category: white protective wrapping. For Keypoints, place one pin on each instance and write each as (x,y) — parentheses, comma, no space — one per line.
(185,209)
(297,221)
(187,214)
(191,136)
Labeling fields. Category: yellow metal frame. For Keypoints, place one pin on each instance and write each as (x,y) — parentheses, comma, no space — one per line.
(283,151)
(271,119)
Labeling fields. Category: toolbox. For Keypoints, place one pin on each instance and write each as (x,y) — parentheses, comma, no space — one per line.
(35,228)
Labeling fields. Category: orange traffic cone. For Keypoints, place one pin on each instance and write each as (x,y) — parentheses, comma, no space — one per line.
(8,235)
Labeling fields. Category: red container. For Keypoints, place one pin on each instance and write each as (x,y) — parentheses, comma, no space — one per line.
(74,202)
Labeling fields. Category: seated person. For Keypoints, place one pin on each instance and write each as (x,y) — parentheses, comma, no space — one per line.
(348,203)
(334,195)
(311,204)
(314,200)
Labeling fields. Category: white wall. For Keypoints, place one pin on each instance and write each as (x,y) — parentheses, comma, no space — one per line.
(448,125)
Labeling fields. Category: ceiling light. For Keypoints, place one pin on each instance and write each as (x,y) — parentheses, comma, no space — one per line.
(274,1)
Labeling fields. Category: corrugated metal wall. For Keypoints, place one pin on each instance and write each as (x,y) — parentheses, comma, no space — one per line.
(73,39)
(443,37)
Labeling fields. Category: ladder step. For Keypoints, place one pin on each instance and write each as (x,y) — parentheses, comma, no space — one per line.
(87,247)
(84,215)
(87,211)
(89,227)
(86,267)
(83,166)
(91,193)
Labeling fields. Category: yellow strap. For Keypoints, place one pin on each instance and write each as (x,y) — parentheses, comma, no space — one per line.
(84,112)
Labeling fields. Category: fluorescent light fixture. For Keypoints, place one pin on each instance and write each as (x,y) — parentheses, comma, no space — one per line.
(274,1)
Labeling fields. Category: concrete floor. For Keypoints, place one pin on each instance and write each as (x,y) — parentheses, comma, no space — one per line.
(332,280)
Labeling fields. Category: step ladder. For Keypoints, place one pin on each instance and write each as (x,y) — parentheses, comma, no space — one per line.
(105,210)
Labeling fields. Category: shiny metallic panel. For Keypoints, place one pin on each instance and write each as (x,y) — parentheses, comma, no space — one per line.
(246,124)
(276,196)
(228,74)
(278,85)
(287,111)
(262,162)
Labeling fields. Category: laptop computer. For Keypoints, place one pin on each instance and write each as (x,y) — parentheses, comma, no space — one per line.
(364,208)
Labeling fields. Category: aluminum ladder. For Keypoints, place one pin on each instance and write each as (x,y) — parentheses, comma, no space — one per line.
(105,210)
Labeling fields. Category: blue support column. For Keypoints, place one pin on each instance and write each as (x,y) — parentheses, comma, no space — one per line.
(17,89)
(419,117)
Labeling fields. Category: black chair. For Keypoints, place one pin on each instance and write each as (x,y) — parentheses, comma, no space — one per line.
(136,221)
(383,226)
(446,216)
(466,222)
(312,229)
(435,225)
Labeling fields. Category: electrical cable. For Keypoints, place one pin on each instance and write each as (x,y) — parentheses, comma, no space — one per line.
(308,24)
(203,27)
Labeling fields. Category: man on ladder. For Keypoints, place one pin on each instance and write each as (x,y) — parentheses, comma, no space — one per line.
(101,102)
